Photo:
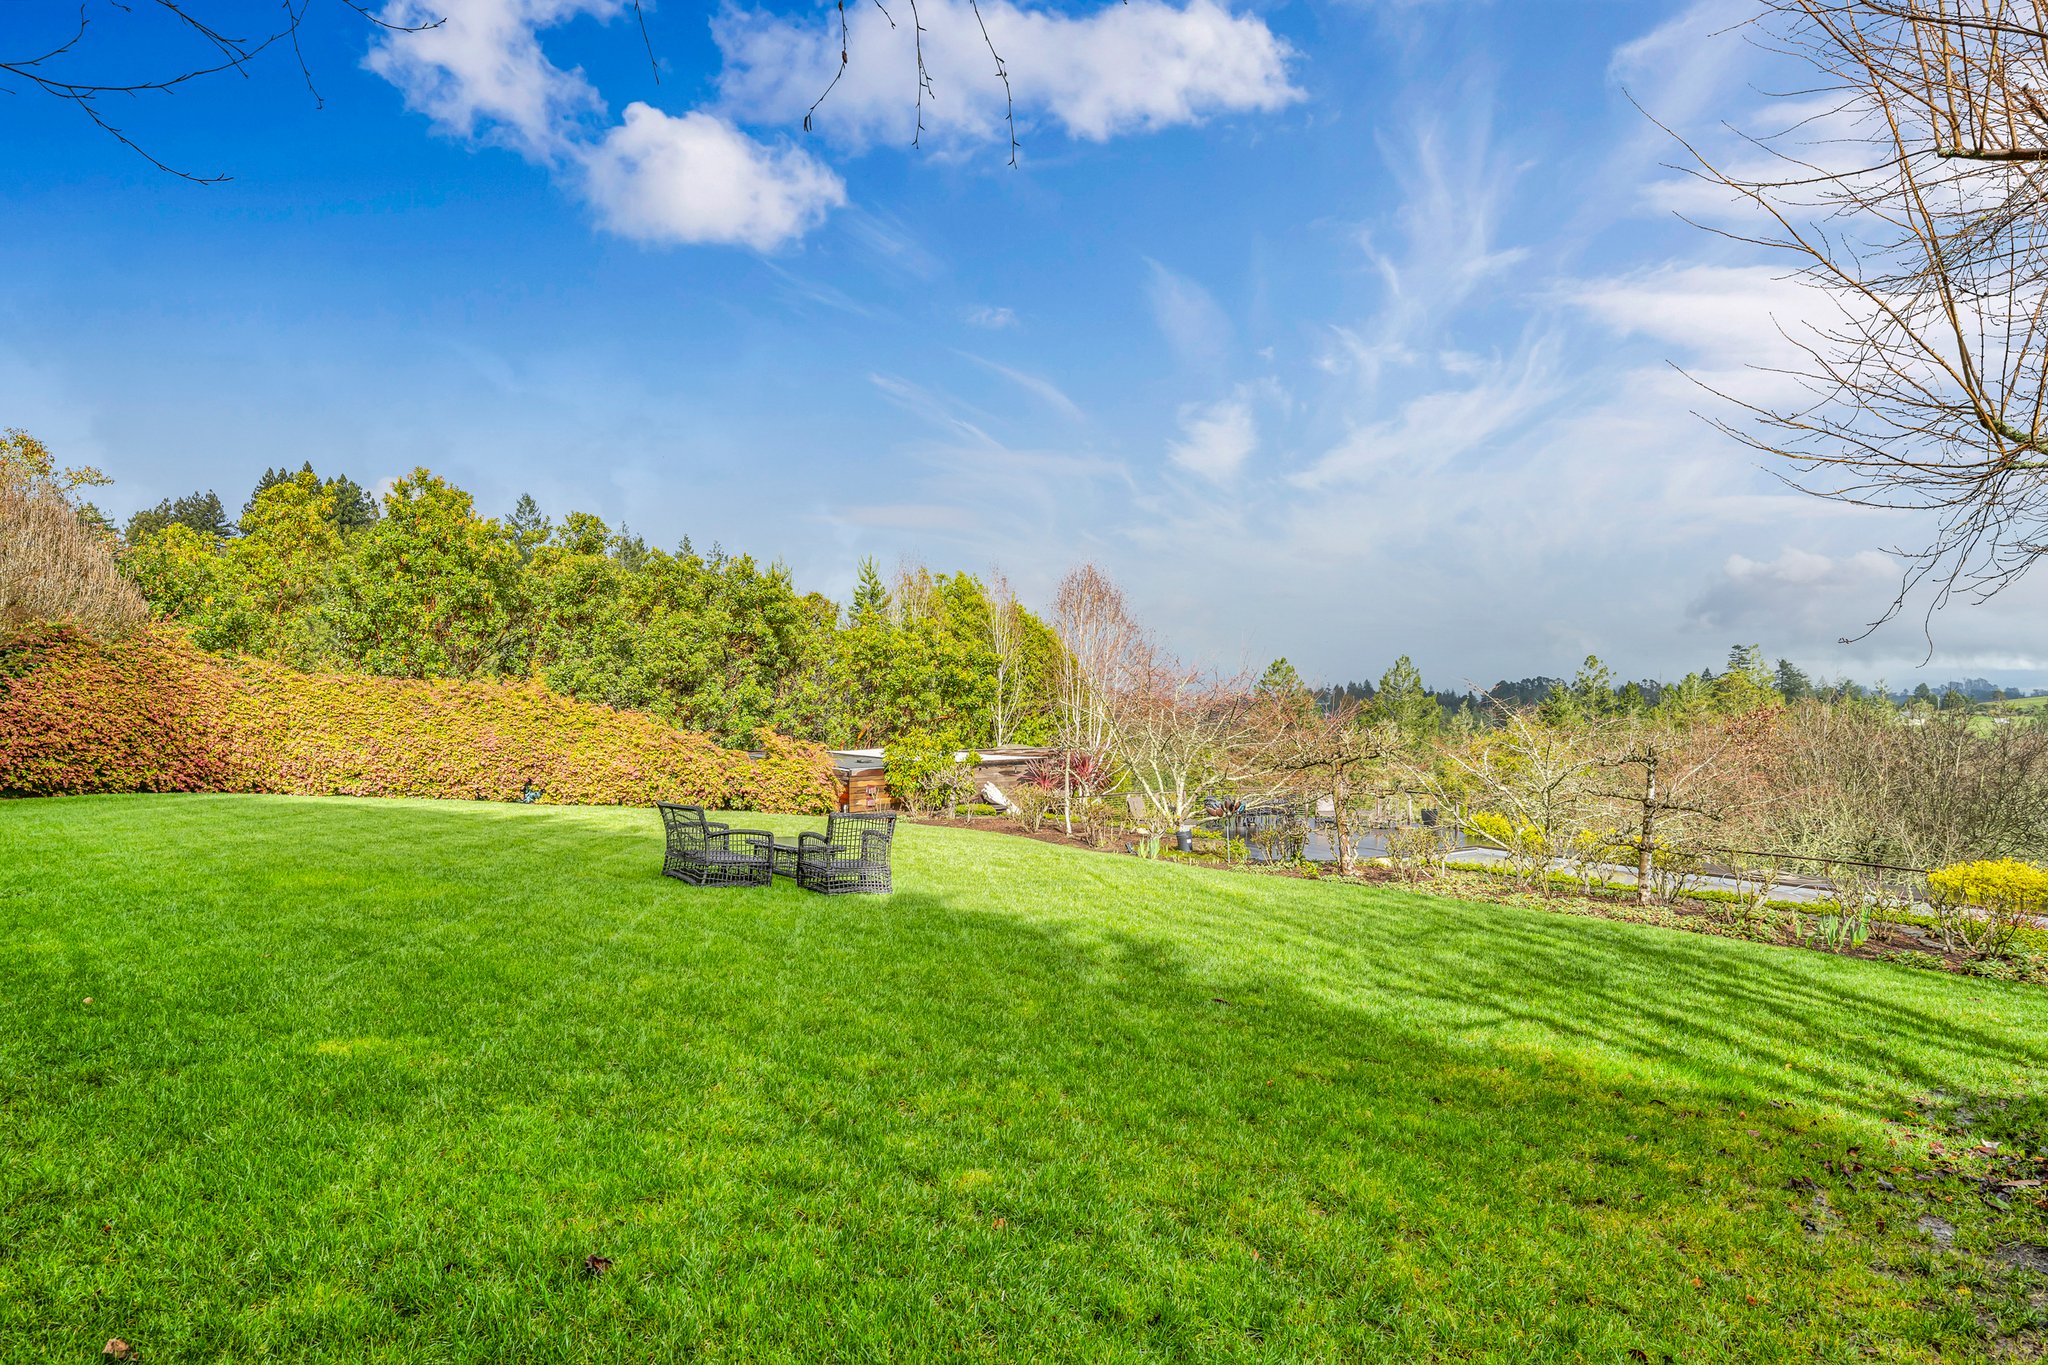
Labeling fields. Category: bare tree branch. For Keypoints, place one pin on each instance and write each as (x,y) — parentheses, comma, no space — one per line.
(234,54)
(1915,202)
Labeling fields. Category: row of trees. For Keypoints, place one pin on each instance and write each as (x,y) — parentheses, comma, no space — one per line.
(1594,690)
(1724,771)
(316,574)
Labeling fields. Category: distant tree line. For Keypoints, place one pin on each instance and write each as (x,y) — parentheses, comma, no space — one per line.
(318,574)
(1594,691)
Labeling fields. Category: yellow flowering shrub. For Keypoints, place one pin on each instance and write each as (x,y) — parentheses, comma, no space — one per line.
(1982,905)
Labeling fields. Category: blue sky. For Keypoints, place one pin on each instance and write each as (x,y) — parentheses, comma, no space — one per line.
(1334,330)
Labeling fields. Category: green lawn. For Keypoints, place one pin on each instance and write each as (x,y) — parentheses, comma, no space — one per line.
(2020,708)
(369,1080)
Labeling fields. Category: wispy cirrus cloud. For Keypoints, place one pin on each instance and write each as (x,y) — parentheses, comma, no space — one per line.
(1189,318)
(1037,386)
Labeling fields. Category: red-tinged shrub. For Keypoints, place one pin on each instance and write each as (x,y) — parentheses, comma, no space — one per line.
(145,715)
(157,714)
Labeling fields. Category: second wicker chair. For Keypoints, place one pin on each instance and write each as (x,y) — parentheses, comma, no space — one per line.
(851,857)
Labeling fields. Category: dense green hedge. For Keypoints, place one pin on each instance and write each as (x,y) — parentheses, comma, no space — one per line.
(155,713)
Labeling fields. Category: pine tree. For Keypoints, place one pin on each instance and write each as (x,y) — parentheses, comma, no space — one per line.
(202,512)
(631,551)
(870,595)
(354,508)
(1792,682)
(1593,687)
(271,479)
(1748,660)
(1282,684)
(1402,699)
(529,528)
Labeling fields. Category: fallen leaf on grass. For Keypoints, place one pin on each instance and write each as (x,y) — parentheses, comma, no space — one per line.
(595,1265)
(117,1349)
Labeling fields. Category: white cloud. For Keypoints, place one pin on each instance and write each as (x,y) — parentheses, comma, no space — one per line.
(991,318)
(1717,313)
(1454,186)
(1808,592)
(1216,438)
(1127,67)
(1190,319)
(1685,64)
(1434,428)
(658,178)
(654,177)
(942,410)
(476,68)
(1043,389)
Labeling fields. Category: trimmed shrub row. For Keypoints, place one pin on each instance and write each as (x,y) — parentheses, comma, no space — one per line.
(152,712)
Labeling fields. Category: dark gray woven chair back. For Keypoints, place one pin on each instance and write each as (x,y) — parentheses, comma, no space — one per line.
(851,857)
(685,826)
(864,837)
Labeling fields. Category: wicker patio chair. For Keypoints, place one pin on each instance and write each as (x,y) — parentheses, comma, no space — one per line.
(851,857)
(708,853)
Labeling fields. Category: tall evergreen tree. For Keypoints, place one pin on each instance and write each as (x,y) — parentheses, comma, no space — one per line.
(1792,682)
(870,594)
(530,528)
(202,512)
(354,508)
(1402,699)
(271,479)
(1282,684)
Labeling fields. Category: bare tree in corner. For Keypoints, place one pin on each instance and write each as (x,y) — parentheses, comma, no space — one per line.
(1910,188)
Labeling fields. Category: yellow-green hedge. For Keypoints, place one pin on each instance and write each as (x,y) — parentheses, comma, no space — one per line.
(155,713)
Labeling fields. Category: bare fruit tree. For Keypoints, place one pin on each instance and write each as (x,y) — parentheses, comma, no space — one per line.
(1526,785)
(1006,642)
(1099,642)
(1666,785)
(1912,188)
(1339,756)
(1184,736)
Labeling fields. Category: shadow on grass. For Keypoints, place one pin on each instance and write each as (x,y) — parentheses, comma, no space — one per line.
(953,1123)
